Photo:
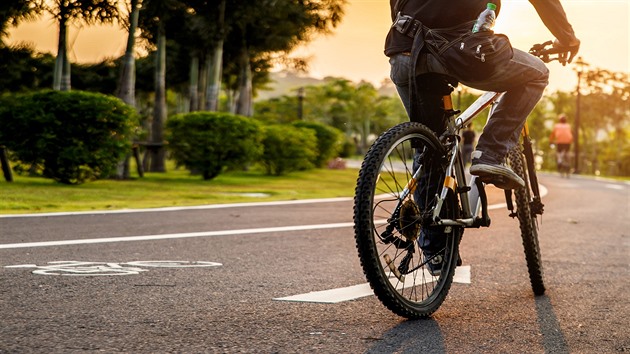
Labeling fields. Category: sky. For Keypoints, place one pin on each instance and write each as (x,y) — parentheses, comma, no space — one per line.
(355,49)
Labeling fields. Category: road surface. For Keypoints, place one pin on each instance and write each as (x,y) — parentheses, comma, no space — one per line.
(212,280)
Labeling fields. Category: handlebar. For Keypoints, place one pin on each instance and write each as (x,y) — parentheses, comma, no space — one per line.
(548,53)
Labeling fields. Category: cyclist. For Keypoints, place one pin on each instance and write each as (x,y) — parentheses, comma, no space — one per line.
(425,37)
(522,76)
(562,137)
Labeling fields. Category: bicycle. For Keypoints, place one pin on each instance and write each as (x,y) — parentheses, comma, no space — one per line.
(412,181)
(562,162)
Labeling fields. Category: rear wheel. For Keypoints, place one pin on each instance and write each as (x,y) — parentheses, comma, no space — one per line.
(527,221)
(391,227)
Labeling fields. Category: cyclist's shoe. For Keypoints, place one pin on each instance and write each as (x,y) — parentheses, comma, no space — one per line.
(435,265)
(494,173)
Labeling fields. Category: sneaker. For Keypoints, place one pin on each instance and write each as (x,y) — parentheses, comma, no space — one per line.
(494,173)
(435,265)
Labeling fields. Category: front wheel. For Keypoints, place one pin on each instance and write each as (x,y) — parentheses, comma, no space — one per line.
(527,221)
(408,261)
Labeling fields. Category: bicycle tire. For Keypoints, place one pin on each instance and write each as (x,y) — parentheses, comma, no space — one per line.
(527,222)
(377,196)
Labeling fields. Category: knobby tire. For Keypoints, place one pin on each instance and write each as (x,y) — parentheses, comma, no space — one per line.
(527,221)
(386,169)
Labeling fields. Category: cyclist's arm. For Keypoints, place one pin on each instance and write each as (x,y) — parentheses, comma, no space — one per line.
(553,16)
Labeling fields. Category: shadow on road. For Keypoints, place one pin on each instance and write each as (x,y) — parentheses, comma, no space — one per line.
(422,336)
(553,338)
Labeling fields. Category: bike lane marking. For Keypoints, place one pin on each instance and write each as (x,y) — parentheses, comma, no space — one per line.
(194,234)
(333,296)
(80,268)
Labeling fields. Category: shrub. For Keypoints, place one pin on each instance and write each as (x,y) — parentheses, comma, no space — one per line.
(210,142)
(329,141)
(288,148)
(74,136)
(348,148)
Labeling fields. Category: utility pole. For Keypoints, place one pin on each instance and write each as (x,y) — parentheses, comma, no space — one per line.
(300,107)
(580,69)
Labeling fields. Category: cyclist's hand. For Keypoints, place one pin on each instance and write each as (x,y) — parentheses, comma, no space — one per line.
(571,49)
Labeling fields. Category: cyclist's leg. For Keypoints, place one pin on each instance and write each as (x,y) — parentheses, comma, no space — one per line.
(523,79)
(431,240)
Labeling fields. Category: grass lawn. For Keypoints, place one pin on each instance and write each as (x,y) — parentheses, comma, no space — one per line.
(174,188)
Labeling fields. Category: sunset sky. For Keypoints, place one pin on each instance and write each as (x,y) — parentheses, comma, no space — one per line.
(355,49)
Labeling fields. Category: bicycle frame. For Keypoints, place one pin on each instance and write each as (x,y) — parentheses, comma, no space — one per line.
(472,196)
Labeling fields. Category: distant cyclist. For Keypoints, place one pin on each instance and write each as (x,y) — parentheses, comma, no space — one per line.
(562,137)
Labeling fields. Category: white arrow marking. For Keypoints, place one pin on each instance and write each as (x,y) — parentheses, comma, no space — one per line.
(333,296)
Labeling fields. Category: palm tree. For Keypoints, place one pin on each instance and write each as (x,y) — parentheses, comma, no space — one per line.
(126,85)
(154,18)
(268,26)
(65,11)
(14,11)
(126,89)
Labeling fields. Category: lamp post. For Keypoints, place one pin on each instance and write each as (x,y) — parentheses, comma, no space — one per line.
(300,107)
(580,68)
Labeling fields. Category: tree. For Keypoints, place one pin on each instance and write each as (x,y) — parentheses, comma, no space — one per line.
(24,69)
(155,17)
(127,85)
(126,89)
(64,11)
(14,11)
(272,26)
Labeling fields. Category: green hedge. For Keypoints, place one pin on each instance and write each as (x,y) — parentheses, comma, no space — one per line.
(329,141)
(73,136)
(288,148)
(210,142)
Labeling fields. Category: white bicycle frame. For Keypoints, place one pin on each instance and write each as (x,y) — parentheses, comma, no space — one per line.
(471,200)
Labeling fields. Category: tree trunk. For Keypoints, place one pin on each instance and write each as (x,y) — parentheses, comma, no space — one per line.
(214,78)
(244,100)
(203,85)
(231,101)
(214,72)
(61,54)
(127,82)
(193,88)
(159,111)
(65,76)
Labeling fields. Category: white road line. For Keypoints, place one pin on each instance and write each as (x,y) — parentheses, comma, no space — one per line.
(333,296)
(204,207)
(197,234)
(175,236)
(543,191)
(195,207)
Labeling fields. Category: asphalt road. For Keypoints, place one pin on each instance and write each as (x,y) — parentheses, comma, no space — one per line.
(117,297)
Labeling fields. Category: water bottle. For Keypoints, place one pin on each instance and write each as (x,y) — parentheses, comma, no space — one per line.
(486,18)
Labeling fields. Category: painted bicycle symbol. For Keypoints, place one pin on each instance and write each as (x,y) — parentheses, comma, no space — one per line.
(76,268)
